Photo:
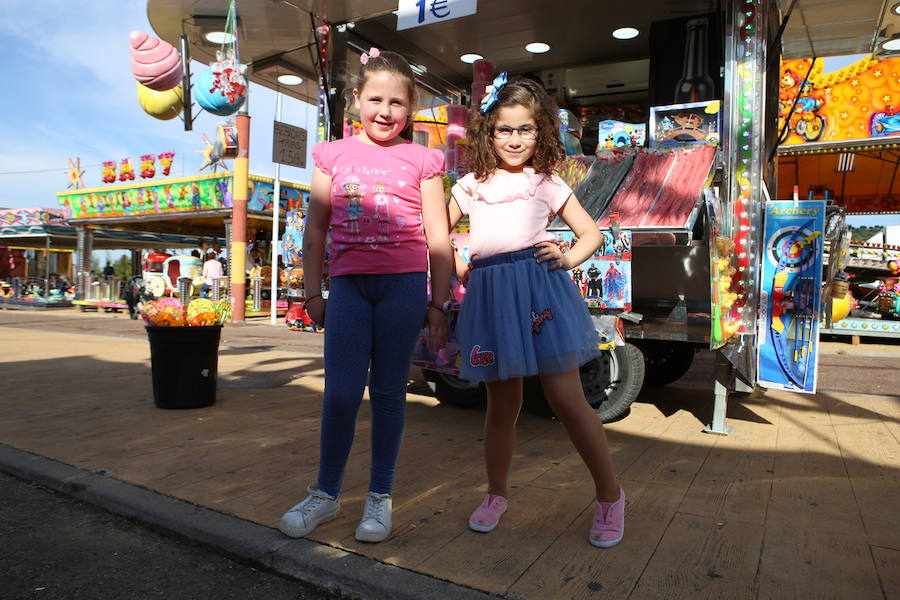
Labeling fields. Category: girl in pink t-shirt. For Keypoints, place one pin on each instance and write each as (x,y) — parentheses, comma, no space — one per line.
(381,198)
(522,314)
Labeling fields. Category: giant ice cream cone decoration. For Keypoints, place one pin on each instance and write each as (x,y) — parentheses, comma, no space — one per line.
(155,63)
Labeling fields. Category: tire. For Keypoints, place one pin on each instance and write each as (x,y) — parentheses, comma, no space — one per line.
(612,381)
(812,134)
(450,389)
(665,362)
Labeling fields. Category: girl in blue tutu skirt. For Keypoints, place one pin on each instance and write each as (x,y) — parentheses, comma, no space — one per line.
(522,313)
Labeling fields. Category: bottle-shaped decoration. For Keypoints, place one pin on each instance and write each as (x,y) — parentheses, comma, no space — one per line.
(695,84)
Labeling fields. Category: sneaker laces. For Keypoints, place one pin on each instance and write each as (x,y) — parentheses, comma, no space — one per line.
(308,506)
(375,507)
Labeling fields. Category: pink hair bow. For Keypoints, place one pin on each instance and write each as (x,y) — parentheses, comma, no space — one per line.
(373,53)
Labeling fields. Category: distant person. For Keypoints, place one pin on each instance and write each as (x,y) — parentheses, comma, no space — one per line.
(893,267)
(108,271)
(212,269)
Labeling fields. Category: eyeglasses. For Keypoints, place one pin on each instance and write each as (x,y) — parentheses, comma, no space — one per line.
(526,132)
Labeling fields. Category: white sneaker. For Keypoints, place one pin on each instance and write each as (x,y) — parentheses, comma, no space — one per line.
(376,522)
(316,509)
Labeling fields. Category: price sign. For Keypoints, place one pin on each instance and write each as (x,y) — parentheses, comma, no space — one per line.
(289,145)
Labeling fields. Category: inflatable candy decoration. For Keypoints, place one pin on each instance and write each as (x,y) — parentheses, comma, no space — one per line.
(209,97)
(161,105)
(155,63)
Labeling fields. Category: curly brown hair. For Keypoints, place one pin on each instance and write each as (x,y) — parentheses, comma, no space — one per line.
(549,150)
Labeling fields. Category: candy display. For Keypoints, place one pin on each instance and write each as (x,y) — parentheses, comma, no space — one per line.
(168,312)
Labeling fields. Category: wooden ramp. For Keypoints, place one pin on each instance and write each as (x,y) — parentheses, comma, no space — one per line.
(801,501)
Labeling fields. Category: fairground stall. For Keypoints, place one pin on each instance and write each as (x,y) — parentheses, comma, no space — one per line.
(37,246)
(673,106)
(199,207)
(839,130)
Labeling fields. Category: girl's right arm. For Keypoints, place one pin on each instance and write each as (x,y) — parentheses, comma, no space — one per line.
(318,216)
(460,266)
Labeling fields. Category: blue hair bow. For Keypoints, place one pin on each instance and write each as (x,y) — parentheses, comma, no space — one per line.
(492,91)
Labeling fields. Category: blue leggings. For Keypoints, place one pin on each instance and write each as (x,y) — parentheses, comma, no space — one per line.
(370,319)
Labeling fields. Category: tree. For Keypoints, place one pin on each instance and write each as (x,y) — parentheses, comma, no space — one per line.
(864,232)
(123,267)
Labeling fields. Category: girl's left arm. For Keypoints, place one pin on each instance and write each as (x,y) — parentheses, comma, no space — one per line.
(589,238)
(437,234)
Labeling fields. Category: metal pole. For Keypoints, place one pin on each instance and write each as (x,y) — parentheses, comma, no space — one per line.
(238,251)
(276,206)
(47,269)
(186,87)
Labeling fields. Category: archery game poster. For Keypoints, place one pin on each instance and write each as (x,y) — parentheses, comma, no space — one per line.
(790,295)
(605,278)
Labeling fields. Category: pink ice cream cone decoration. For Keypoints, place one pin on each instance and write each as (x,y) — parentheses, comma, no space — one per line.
(155,63)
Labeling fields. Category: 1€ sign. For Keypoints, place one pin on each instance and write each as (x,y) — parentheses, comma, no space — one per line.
(289,145)
(414,13)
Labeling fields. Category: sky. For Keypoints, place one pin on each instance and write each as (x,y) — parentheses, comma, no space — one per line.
(71,94)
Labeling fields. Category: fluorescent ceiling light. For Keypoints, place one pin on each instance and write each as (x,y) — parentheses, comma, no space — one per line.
(219,37)
(470,58)
(625,33)
(537,47)
(290,80)
(892,44)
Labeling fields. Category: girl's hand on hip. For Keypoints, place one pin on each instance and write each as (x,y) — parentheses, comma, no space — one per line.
(549,252)
(315,308)
(438,330)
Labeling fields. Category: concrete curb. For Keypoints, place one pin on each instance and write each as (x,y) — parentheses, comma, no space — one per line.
(336,570)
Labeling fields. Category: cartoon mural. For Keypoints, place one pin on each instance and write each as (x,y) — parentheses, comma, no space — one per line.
(860,101)
(204,192)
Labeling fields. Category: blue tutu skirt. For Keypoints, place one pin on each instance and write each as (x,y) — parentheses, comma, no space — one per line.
(519,319)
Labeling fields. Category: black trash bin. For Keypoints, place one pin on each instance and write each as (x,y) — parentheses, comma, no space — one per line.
(184,362)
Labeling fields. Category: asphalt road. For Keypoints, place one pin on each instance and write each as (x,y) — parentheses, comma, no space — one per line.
(57,548)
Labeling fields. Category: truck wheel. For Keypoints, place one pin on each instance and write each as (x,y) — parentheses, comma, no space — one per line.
(450,389)
(665,361)
(613,380)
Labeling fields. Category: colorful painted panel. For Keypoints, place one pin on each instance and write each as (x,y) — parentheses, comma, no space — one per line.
(788,330)
(860,101)
(292,198)
(30,216)
(175,195)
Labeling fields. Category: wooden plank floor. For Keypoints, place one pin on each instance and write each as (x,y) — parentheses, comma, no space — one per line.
(802,500)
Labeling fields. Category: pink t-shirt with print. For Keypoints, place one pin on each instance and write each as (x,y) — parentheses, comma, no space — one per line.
(509,211)
(376,205)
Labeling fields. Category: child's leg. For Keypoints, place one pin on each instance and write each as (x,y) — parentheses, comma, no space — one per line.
(399,313)
(566,397)
(503,406)
(348,346)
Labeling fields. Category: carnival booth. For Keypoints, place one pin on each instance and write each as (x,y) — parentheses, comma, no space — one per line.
(199,207)
(37,271)
(669,162)
(839,141)
(676,119)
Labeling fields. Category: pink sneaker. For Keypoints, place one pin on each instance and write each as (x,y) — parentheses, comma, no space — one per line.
(609,523)
(486,516)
